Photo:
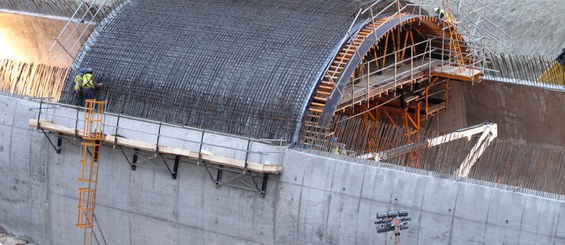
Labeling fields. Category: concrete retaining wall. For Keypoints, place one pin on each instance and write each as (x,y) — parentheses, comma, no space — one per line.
(317,200)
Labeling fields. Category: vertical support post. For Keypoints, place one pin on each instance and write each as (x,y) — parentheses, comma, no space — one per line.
(451,47)
(412,63)
(369,78)
(116,130)
(246,156)
(76,123)
(158,138)
(429,57)
(59,143)
(219,177)
(395,64)
(264,185)
(200,149)
(39,113)
(134,160)
(95,154)
(442,46)
(176,167)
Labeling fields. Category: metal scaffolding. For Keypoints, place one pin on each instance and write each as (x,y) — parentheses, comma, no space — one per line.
(396,67)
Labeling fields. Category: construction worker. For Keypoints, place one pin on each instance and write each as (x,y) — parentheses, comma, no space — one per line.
(442,14)
(78,87)
(89,84)
(334,145)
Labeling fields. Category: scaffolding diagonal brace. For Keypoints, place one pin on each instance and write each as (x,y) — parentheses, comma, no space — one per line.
(59,141)
(237,179)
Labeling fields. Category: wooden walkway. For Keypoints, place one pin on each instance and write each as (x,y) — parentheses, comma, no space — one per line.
(378,84)
(150,147)
(456,73)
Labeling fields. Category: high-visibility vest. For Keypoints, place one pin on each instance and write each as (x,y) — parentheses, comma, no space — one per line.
(87,80)
(445,15)
(78,82)
(336,150)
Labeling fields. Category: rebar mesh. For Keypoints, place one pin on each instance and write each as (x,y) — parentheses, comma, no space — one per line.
(246,68)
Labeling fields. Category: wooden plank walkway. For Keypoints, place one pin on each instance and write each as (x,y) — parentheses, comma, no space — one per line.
(150,147)
(384,82)
(453,72)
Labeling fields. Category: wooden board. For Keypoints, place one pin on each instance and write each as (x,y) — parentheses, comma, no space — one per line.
(453,72)
(145,146)
(382,83)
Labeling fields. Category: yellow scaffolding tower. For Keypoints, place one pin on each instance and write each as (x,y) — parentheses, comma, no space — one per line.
(90,147)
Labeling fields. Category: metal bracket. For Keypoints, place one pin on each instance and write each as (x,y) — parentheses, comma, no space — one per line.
(132,162)
(59,141)
(247,180)
(139,160)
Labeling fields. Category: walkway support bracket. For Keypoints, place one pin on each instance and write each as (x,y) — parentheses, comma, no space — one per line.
(59,141)
(248,180)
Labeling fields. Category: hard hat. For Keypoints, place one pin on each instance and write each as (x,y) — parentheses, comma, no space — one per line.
(89,70)
(436,9)
(82,71)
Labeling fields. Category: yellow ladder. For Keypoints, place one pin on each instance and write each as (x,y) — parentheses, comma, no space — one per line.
(90,147)
(453,36)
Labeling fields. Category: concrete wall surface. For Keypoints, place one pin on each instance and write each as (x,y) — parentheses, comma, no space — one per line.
(317,200)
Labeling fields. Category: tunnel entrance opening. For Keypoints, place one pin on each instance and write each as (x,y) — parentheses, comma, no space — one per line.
(385,84)
(373,101)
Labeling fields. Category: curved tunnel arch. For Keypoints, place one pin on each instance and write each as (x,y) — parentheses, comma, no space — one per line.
(321,109)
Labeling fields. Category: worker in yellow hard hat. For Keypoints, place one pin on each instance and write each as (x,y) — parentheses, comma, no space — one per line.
(442,14)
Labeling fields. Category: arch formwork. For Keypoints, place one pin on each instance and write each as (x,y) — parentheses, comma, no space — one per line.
(391,69)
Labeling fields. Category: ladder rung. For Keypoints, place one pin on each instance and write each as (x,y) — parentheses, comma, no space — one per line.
(86,180)
(320,98)
(330,76)
(336,67)
(315,109)
(342,58)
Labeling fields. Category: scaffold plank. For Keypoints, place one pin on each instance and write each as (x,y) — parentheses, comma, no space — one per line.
(146,146)
(455,72)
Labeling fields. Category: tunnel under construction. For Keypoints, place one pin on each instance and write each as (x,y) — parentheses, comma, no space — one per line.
(241,92)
